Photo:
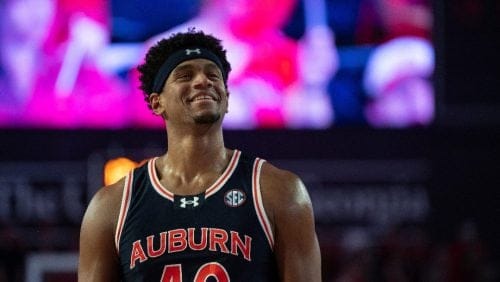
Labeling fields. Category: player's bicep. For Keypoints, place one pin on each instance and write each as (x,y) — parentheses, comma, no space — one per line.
(98,259)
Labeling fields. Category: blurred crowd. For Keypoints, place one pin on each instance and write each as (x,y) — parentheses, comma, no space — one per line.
(406,253)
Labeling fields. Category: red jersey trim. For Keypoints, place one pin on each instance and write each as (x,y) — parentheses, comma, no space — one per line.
(258,204)
(155,181)
(225,175)
(216,186)
(124,206)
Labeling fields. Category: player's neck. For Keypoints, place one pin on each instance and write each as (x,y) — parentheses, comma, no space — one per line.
(195,152)
(190,172)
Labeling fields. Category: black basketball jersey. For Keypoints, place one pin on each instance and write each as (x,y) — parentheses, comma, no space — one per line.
(222,234)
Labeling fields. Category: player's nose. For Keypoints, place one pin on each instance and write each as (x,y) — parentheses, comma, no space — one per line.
(202,80)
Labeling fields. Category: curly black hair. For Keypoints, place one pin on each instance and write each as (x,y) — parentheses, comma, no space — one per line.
(159,53)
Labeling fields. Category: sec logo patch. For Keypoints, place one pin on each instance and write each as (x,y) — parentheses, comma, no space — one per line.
(235,198)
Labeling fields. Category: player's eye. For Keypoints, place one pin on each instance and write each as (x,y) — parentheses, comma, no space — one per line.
(214,76)
(183,76)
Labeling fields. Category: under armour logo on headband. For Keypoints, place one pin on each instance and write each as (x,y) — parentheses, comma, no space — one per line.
(180,56)
(189,51)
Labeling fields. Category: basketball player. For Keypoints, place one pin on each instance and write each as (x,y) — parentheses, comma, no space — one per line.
(200,212)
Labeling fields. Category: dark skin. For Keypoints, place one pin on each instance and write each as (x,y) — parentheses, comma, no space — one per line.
(194,102)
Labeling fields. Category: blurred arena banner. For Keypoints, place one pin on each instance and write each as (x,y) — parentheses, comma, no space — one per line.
(42,200)
(41,207)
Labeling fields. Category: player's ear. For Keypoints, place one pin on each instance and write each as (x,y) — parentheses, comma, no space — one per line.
(155,103)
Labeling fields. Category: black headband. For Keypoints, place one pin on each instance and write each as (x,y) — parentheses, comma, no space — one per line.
(180,56)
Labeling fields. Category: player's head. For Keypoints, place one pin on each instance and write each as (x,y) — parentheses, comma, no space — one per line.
(166,54)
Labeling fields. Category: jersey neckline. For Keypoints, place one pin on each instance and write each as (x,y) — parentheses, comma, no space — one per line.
(216,186)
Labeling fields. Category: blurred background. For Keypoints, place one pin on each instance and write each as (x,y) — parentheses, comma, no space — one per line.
(387,109)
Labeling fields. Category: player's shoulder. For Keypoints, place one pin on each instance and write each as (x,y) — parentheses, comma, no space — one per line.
(283,192)
(281,185)
(106,201)
(110,192)
(279,178)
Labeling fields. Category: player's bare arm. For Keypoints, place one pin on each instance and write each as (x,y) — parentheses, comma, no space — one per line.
(289,209)
(98,256)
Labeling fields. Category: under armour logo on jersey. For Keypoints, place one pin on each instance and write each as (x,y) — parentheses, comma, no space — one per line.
(189,202)
(185,202)
(189,51)
(234,198)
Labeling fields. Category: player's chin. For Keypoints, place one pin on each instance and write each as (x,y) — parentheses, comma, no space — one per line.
(207,118)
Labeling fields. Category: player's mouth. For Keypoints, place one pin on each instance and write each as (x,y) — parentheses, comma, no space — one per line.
(202,97)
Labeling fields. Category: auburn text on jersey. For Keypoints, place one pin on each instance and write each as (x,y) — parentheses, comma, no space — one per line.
(179,240)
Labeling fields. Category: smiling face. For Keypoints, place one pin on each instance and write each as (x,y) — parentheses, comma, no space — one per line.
(193,93)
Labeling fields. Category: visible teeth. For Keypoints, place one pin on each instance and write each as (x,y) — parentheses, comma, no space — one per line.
(203,97)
